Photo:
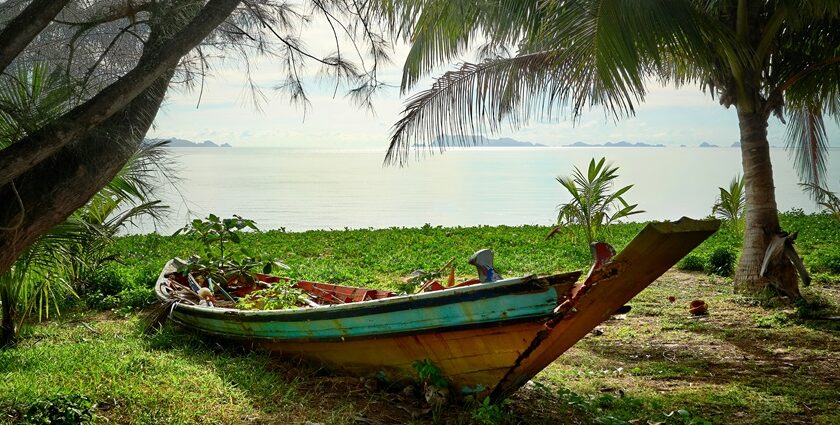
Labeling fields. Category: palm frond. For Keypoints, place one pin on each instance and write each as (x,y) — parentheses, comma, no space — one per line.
(593,205)
(807,142)
(474,98)
(30,96)
(574,55)
(731,204)
(824,198)
(442,30)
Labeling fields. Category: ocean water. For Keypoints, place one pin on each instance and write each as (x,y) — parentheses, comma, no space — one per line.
(304,189)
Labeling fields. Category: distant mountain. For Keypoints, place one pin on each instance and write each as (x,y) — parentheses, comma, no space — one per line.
(708,145)
(183,143)
(621,144)
(736,145)
(504,142)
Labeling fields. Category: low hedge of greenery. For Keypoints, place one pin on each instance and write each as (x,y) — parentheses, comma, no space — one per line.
(380,258)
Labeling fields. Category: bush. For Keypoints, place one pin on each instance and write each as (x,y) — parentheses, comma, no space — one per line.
(136,297)
(825,260)
(108,280)
(99,301)
(70,409)
(488,413)
(118,285)
(722,262)
(692,263)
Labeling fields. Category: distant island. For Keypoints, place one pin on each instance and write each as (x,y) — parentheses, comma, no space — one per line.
(183,143)
(621,144)
(708,145)
(504,142)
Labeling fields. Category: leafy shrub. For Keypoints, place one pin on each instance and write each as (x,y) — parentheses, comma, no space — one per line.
(117,285)
(280,295)
(429,373)
(106,281)
(99,301)
(136,297)
(722,262)
(70,409)
(773,321)
(488,413)
(692,263)
(825,260)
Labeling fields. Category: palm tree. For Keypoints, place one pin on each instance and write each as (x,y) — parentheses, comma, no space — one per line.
(731,203)
(594,205)
(775,57)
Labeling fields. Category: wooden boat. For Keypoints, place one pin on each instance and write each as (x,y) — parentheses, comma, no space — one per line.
(487,338)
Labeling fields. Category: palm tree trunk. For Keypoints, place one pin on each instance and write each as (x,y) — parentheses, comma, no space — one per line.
(762,218)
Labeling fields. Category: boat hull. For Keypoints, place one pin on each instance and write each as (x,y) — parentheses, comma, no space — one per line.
(472,360)
(488,338)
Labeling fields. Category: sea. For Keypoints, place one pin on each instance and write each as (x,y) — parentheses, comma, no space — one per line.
(309,189)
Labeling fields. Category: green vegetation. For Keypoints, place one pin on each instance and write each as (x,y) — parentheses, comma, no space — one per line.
(538,57)
(391,254)
(827,199)
(731,205)
(70,409)
(594,205)
(57,264)
(280,295)
(659,364)
(722,262)
(220,263)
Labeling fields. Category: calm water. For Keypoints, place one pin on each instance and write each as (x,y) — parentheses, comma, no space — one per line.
(302,189)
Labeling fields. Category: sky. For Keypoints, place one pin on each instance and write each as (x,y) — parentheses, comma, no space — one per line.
(227,114)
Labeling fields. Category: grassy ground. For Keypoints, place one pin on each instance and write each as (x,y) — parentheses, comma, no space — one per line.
(743,363)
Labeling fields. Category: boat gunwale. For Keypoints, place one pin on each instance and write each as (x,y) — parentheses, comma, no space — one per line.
(510,286)
(497,324)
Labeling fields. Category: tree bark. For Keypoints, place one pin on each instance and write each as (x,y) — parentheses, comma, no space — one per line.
(8,332)
(28,24)
(53,189)
(33,149)
(49,191)
(762,218)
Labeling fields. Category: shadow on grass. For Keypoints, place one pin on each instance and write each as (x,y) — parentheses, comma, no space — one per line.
(734,374)
(286,388)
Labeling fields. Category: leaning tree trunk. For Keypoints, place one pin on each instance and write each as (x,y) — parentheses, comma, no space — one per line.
(8,330)
(762,218)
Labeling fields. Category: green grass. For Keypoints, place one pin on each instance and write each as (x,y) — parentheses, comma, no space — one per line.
(379,258)
(743,363)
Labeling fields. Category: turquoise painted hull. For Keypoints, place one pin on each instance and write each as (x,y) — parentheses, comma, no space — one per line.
(490,304)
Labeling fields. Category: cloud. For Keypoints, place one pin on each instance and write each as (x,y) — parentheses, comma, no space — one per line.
(230,111)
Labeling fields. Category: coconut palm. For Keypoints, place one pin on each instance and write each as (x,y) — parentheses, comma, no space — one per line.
(776,57)
(593,205)
(731,203)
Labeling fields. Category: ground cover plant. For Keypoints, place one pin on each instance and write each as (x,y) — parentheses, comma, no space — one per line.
(745,362)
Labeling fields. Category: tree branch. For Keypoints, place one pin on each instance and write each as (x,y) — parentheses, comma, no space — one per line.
(28,24)
(53,189)
(33,149)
